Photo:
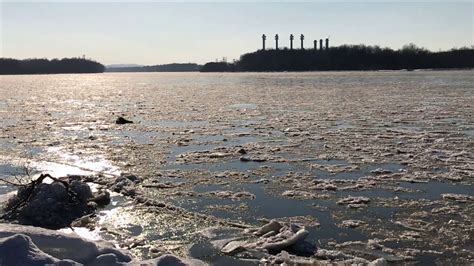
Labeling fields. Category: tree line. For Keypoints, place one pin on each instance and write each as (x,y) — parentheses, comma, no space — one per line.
(348,57)
(45,66)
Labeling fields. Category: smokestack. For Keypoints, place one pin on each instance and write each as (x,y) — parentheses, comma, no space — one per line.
(276,41)
(302,39)
(291,41)
(320,44)
(327,43)
(315,44)
(263,41)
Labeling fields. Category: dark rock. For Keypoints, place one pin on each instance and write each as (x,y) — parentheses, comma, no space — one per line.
(252,159)
(52,206)
(244,159)
(92,205)
(120,183)
(82,190)
(242,151)
(67,262)
(20,250)
(83,221)
(102,198)
(133,178)
(106,259)
(171,260)
(121,121)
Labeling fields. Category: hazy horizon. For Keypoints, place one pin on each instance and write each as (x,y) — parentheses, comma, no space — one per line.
(151,33)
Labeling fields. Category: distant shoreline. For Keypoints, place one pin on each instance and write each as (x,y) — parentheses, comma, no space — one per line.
(377,70)
(9,66)
(176,67)
(346,58)
(340,59)
(262,72)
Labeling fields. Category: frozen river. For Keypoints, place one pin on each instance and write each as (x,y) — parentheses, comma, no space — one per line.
(375,164)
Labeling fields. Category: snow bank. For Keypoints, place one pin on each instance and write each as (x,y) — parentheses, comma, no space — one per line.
(28,245)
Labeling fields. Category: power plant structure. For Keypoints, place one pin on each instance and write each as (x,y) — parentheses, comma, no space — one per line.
(322,45)
(264,38)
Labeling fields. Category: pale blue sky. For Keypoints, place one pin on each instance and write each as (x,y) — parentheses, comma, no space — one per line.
(160,32)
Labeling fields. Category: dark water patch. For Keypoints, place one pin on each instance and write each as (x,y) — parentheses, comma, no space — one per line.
(469,133)
(8,170)
(374,212)
(7,144)
(208,138)
(269,206)
(432,190)
(440,170)
(5,189)
(263,206)
(34,151)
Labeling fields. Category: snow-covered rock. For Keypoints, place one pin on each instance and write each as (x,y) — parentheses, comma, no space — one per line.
(28,245)
(63,246)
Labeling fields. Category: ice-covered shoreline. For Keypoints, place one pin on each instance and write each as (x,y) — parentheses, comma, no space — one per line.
(28,245)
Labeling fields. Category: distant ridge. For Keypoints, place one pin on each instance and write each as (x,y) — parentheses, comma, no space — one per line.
(175,67)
